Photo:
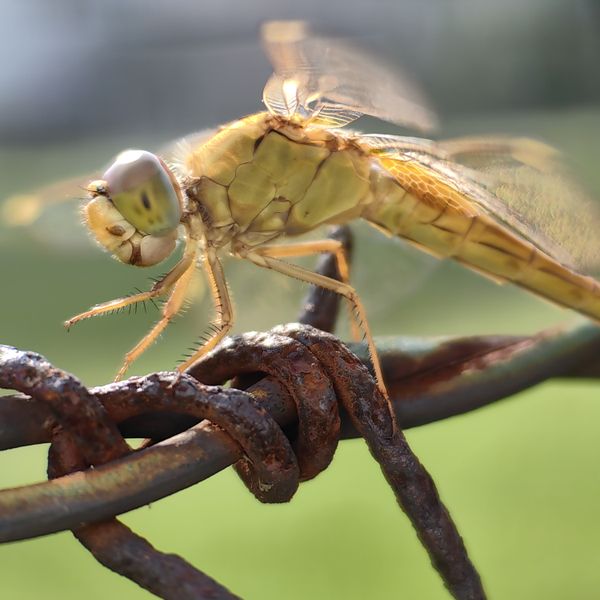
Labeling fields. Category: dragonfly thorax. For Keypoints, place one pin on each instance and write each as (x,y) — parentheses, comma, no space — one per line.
(264,177)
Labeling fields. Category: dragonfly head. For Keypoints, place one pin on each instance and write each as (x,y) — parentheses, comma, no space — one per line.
(134,210)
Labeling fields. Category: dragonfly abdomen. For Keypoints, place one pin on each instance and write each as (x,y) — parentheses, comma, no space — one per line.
(416,215)
(439,219)
(499,253)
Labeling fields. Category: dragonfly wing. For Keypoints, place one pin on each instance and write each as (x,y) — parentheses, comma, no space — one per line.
(518,182)
(526,151)
(50,213)
(399,278)
(529,187)
(21,210)
(330,82)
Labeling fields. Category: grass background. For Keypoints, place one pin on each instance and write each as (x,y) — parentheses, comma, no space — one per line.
(519,477)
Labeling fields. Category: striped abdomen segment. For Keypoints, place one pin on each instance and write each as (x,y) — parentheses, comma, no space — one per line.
(414,203)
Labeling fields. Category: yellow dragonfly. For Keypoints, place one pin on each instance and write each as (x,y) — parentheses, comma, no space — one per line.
(501,206)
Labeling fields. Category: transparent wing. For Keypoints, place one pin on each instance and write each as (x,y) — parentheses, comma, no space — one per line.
(518,182)
(21,210)
(331,82)
(401,274)
(50,214)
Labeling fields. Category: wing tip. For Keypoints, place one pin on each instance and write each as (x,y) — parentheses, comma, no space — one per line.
(284,31)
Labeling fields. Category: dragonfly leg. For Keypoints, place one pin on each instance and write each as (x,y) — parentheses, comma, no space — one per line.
(224,319)
(344,289)
(171,307)
(160,288)
(334,247)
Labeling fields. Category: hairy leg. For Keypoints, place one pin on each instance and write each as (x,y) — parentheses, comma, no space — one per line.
(334,247)
(160,288)
(344,289)
(224,308)
(178,280)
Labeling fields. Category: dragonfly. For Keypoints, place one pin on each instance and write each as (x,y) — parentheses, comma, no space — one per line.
(501,206)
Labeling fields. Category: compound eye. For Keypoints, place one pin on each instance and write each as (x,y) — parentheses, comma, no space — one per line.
(144,192)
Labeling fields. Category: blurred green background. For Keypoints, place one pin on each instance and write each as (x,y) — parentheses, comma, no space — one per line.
(520,477)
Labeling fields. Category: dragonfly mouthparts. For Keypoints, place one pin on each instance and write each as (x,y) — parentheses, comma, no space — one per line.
(98,187)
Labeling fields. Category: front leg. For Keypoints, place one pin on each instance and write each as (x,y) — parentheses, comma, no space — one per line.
(180,282)
(224,319)
(160,288)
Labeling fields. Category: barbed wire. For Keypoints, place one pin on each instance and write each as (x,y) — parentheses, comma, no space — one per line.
(294,378)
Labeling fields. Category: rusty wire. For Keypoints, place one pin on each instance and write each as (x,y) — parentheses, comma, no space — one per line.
(308,375)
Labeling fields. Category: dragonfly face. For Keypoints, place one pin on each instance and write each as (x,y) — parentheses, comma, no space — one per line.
(135,209)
